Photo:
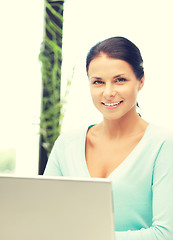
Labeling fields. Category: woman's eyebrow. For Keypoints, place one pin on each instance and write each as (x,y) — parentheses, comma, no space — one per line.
(119,75)
(98,78)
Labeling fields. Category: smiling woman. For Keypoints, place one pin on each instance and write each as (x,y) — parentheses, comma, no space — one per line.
(108,61)
(134,154)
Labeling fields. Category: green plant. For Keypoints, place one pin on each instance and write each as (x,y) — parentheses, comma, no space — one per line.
(51,59)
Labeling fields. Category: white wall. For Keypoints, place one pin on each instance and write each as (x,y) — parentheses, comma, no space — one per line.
(21,24)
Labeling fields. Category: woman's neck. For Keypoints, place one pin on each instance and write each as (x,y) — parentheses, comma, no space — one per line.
(124,127)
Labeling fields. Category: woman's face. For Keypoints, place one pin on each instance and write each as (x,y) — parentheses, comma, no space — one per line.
(114,86)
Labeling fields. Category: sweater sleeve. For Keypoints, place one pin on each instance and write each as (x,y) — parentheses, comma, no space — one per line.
(53,164)
(162,187)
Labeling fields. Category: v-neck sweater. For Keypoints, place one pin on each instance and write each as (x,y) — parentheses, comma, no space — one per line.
(142,185)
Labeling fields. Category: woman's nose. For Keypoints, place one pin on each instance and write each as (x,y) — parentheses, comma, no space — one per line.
(109,91)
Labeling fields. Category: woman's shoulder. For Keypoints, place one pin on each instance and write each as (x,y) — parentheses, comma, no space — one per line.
(160,132)
(72,135)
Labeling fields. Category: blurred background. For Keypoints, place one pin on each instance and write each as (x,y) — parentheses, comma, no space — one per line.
(147,23)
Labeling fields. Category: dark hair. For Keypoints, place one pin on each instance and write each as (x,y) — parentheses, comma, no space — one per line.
(118,48)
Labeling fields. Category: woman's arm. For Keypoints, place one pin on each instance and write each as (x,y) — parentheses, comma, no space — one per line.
(53,165)
(162,222)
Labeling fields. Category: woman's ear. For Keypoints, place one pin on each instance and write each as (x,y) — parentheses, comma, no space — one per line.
(141,83)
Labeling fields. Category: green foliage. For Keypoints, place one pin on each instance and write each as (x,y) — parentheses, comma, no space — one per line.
(7,161)
(51,59)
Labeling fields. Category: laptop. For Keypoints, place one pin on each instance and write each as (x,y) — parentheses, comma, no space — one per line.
(55,208)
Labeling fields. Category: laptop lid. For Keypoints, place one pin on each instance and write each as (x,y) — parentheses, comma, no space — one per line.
(55,208)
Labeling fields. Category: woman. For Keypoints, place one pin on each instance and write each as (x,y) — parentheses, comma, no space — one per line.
(135,155)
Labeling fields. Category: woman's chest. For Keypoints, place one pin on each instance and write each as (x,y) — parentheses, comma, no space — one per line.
(103,158)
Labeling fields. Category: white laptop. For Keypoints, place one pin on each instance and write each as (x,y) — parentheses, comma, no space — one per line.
(55,208)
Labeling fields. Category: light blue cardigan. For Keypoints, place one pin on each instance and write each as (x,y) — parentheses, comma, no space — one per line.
(142,185)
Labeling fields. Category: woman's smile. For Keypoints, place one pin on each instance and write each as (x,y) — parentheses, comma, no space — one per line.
(112,105)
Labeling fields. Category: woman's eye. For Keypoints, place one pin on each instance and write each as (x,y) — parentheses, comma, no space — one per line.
(97,82)
(120,80)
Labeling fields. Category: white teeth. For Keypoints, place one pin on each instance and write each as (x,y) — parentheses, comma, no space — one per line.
(111,104)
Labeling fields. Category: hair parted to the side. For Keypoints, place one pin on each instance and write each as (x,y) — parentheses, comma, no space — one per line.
(118,48)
